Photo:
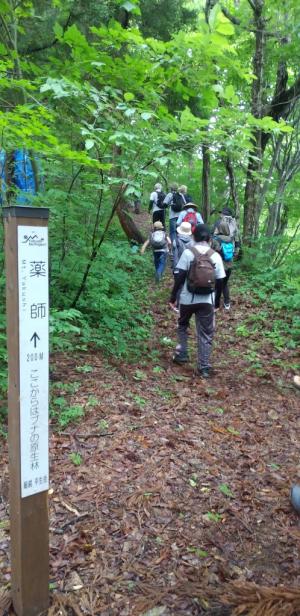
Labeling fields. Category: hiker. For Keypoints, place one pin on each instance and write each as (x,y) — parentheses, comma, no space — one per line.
(159,242)
(186,198)
(176,199)
(199,269)
(156,204)
(223,243)
(183,240)
(190,214)
(227,216)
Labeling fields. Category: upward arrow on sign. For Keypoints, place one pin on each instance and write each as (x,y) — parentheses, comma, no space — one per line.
(35,338)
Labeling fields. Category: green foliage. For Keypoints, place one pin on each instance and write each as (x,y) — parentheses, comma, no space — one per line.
(274,286)
(103,425)
(198,551)
(109,313)
(63,413)
(76,458)
(213,517)
(225,489)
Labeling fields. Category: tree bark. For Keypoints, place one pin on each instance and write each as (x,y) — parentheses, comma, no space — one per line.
(232,187)
(251,215)
(205,183)
(128,225)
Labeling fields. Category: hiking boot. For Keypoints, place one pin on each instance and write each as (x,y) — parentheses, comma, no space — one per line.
(203,372)
(226,306)
(180,359)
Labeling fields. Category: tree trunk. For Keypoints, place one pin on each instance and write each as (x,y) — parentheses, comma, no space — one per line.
(252,192)
(233,189)
(128,225)
(252,189)
(205,183)
(274,215)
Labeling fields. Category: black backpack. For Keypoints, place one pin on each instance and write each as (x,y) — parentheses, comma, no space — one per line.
(160,199)
(177,202)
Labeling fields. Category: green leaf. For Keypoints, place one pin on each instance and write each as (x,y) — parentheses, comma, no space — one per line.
(213,15)
(4,7)
(230,95)
(225,28)
(212,517)
(128,6)
(232,431)
(89,144)
(146,115)
(129,96)
(225,489)
(58,31)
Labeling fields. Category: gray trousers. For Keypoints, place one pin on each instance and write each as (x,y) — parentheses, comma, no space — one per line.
(204,317)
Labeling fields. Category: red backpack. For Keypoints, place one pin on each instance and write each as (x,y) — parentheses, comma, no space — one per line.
(191,217)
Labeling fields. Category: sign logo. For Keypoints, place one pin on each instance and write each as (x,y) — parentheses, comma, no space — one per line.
(33,240)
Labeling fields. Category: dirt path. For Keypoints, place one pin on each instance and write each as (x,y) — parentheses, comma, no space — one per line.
(182,485)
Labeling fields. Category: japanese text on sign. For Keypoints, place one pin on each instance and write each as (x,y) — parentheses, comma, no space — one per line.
(34,354)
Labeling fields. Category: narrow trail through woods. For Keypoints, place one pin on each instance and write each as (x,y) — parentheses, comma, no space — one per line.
(183,484)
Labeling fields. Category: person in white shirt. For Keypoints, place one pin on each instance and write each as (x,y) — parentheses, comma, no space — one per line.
(156,205)
(202,306)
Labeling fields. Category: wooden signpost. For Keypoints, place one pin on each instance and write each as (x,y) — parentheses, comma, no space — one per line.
(27,307)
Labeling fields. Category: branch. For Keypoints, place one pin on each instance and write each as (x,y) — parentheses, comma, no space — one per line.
(234,20)
(282,102)
(280,258)
(9,37)
(252,5)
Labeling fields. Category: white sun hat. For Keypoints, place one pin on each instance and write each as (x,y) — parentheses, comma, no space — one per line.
(185,228)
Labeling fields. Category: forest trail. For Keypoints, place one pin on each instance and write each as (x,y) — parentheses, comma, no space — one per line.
(180,485)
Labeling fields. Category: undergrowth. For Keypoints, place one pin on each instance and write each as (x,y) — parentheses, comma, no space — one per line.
(112,314)
(276,290)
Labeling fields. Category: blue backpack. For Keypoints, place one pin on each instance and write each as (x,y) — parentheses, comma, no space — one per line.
(227,250)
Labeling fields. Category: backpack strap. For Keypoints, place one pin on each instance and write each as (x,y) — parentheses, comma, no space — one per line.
(196,252)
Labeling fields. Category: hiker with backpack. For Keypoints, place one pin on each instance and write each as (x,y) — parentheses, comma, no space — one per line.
(159,242)
(175,199)
(156,204)
(184,239)
(200,270)
(227,216)
(186,198)
(190,214)
(223,243)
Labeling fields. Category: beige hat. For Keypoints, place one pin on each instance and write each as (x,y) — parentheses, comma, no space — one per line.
(185,228)
(158,225)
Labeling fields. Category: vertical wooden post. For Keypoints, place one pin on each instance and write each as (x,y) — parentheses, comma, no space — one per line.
(26,252)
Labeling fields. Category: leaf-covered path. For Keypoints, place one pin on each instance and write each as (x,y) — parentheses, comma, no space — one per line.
(182,485)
